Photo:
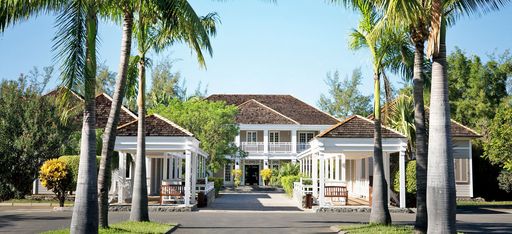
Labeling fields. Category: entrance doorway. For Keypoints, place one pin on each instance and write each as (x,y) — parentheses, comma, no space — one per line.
(252,174)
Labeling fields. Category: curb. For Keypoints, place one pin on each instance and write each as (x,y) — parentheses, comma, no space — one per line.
(174,228)
(337,229)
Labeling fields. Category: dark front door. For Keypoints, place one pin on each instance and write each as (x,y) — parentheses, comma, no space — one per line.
(252,174)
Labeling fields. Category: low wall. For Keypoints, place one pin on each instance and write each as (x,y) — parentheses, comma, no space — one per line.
(360,209)
(154,208)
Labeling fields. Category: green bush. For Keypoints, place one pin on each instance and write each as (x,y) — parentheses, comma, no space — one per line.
(217,183)
(72,162)
(287,183)
(410,182)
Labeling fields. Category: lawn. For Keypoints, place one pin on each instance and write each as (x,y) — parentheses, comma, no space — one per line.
(128,227)
(484,203)
(372,228)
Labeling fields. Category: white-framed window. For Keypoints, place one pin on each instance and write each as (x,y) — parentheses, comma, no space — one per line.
(305,137)
(461,170)
(273,136)
(252,136)
(227,172)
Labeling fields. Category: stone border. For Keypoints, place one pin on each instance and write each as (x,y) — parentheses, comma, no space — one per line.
(154,208)
(360,209)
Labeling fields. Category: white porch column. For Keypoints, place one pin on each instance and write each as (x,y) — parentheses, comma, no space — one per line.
(121,198)
(188,177)
(194,178)
(166,167)
(402,177)
(331,168)
(470,169)
(148,174)
(265,141)
(314,174)
(180,168)
(301,163)
(337,169)
(343,168)
(321,198)
(237,164)
(265,163)
(294,141)
(237,140)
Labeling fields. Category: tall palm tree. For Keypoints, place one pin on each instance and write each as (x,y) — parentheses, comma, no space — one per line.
(76,49)
(175,21)
(109,134)
(384,51)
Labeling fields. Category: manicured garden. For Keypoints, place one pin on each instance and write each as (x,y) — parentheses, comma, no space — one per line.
(128,227)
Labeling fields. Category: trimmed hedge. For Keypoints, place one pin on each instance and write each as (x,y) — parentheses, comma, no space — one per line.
(72,162)
(287,183)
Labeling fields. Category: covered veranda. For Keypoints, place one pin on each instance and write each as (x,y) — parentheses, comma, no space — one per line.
(175,165)
(338,168)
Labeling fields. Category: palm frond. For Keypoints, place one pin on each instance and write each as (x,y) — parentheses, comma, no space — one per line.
(15,11)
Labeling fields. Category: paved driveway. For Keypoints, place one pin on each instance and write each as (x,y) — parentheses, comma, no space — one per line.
(254,201)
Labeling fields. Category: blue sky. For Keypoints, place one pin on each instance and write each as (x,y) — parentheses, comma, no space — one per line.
(265,48)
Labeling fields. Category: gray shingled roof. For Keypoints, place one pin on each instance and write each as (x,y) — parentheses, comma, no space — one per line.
(357,127)
(155,126)
(286,105)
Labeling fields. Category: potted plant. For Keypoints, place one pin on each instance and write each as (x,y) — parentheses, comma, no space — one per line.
(266,174)
(237,175)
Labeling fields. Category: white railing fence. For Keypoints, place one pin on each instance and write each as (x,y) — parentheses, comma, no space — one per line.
(253,147)
(301,188)
(279,147)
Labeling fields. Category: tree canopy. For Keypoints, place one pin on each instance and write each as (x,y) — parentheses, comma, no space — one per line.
(343,98)
(212,123)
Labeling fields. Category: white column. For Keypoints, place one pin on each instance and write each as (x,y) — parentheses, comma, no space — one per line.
(166,167)
(122,173)
(314,173)
(237,140)
(343,168)
(294,141)
(265,141)
(194,178)
(265,163)
(331,168)
(470,170)
(148,174)
(402,178)
(175,165)
(337,168)
(180,168)
(321,194)
(301,163)
(188,177)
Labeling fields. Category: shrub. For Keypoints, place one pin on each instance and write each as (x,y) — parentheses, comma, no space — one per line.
(55,176)
(72,162)
(266,174)
(410,182)
(217,182)
(287,182)
(287,169)
(237,177)
(505,181)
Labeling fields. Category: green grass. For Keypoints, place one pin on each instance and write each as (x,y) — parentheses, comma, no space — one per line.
(373,228)
(484,203)
(127,227)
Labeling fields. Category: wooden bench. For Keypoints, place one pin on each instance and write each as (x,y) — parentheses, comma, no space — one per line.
(336,192)
(171,190)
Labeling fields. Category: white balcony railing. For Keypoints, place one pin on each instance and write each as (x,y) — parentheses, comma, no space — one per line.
(279,147)
(302,147)
(253,147)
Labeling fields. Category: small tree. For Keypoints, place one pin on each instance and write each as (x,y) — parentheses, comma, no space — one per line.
(55,176)
(266,174)
(237,175)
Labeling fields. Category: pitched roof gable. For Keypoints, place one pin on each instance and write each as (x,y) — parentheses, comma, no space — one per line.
(285,105)
(357,127)
(253,112)
(457,129)
(103,106)
(156,125)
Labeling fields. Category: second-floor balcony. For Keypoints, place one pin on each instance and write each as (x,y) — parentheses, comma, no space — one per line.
(273,147)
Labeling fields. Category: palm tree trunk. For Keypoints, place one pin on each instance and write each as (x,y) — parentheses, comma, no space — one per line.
(380,211)
(139,209)
(109,135)
(421,140)
(85,211)
(440,172)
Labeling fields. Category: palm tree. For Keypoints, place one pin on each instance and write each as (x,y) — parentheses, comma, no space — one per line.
(176,21)
(109,134)
(384,50)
